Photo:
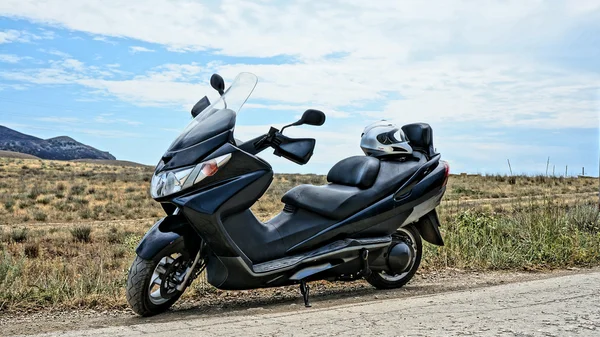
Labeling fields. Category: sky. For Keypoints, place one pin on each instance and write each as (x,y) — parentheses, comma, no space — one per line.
(496,80)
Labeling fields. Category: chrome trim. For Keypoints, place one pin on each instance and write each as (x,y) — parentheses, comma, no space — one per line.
(334,248)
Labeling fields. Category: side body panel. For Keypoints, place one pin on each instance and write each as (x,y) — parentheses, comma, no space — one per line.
(385,216)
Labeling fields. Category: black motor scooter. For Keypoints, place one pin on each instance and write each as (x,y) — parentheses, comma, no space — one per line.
(367,222)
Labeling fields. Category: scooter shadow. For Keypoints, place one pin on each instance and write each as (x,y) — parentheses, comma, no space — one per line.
(288,299)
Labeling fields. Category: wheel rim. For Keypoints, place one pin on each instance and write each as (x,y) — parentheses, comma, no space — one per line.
(406,236)
(168,274)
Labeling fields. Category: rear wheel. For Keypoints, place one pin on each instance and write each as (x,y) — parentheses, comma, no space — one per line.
(152,284)
(410,236)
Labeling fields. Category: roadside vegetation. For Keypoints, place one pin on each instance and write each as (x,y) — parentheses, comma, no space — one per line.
(68,230)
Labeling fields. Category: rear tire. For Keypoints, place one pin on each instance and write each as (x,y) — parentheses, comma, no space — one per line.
(139,285)
(381,280)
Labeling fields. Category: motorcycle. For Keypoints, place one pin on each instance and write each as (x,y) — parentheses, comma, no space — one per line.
(367,222)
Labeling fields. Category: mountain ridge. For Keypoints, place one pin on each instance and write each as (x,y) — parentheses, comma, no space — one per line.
(56,148)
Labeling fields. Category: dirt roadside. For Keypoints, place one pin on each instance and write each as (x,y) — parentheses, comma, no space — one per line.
(272,301)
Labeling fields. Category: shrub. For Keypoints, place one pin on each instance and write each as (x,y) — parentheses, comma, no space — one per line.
(19,235)
(115,237)
(77,189)
(34,192)
(85,213)
(60,187)
(32,250)
(82,233)
(9,204)
(45,200)
(585,218)
(39,215)
(24,204)
(78,201)
(119,253)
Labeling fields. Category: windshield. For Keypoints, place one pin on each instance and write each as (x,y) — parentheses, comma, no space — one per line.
(219,116)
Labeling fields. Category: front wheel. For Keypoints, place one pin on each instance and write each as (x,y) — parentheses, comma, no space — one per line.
(410,236)
(152,284)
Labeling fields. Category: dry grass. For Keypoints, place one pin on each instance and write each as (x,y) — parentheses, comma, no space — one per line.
(58,191)
(68,230)
(12,154)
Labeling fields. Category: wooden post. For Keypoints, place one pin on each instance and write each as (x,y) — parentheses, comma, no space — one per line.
(547,164)
(553,167)
(566,166)
(509,168)
(583,171)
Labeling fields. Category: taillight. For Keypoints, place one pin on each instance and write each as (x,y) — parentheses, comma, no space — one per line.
(446,172)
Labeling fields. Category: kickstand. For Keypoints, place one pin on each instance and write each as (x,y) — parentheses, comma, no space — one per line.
(366,270)
(305,290)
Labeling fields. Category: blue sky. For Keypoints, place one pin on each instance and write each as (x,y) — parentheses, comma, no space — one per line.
(497,80)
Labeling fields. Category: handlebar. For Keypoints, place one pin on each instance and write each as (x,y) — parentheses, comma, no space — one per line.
(298,150)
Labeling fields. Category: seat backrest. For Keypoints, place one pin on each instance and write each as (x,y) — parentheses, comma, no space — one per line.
(420,137)
(359,171)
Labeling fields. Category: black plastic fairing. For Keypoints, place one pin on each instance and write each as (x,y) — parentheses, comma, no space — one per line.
(235,187)
(200,210)
(253,237)
(210,124)
(416,177)
(193,154)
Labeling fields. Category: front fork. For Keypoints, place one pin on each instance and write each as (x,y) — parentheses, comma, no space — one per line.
(190,271)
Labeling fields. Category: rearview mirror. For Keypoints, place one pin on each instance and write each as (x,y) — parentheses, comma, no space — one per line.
(310,117)
(217,82)
(200,106)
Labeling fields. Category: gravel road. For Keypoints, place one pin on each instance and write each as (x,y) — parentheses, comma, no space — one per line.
(560,306)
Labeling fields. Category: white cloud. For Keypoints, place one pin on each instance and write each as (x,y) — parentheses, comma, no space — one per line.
(60,120)
(105,40)
(505,91)
(12,35)
(10,58)
(107,119)
(55,52)
(139,49)
(313,29)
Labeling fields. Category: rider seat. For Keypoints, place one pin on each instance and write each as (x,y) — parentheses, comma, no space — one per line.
(354,183)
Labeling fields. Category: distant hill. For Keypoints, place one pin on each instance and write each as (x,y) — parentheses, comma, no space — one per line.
(11,154)
(110,162)
(58,148)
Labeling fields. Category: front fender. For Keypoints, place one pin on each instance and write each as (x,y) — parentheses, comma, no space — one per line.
(162,234)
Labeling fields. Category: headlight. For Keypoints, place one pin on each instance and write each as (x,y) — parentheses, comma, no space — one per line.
(170,182)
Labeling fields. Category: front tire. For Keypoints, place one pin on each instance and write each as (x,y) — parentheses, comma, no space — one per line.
(145,277)
(382,280)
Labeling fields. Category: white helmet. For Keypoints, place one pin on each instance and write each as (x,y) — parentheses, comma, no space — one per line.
(384,139)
